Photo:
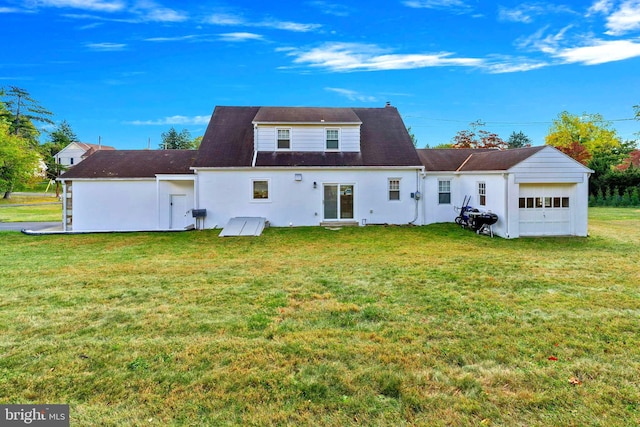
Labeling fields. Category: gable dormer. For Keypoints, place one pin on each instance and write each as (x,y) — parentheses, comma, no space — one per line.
(303,129)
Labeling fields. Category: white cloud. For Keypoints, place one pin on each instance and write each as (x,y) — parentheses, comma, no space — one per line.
(527,12)
(600,52)
(331,8)
(9,10)
(352,95)
(163,14)
(625,19)
(173,120)
(106,47)
(600,6)
(451,5)
(226,19)
(97,5)
(172,39)
(548,44)
(240,37)
(513,65)
(345,57)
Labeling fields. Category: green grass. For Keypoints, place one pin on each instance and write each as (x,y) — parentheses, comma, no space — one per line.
(306,326)
(39,208)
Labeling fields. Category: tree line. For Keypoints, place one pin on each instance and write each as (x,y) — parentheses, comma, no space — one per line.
(587,138)
(25,161)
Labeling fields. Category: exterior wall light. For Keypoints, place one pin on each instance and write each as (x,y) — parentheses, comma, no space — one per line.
(315,185)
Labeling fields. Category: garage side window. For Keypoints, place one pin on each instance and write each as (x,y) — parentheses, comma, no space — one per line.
(444,192)
(482,193)
(394,188)
(260,189)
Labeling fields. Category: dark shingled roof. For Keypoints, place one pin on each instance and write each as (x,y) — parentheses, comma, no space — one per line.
(466,159)
(228,140)
(133,164)
(384,140)
(305,115)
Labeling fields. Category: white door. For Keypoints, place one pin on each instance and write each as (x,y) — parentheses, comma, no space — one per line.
(178,211)
(546,210)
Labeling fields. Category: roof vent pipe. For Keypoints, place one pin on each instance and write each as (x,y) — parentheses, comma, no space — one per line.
(388,104)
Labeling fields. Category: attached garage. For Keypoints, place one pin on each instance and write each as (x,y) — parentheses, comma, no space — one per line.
(534,191)
(546,210)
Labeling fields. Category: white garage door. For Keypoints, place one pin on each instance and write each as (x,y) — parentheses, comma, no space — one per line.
(546,210)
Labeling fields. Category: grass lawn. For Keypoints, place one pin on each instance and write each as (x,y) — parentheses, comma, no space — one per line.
(40,208)
(305,326)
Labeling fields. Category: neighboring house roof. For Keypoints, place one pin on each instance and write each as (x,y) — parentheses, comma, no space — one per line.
(87,148)
(228,141)
(93,148)
(466,159)
(133,164)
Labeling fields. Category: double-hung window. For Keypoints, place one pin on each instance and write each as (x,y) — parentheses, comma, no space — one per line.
(394,188)
(284,139)
(332,139)
(482,193)
(444,192)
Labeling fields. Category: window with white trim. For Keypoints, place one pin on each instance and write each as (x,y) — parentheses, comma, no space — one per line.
(394,188)
(284,139)
(482,194)
(260,188)
(332,141)
(444,192)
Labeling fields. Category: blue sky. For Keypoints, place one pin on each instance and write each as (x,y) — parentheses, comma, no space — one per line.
(128,70)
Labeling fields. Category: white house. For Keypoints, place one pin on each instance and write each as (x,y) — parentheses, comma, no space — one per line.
(76,152)
(300,166)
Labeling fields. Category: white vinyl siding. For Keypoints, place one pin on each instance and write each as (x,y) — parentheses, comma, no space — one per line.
(308,138)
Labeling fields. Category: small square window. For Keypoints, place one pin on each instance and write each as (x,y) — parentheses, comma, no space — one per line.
(556,202)
(394,189)
(565,202)
(522,203)
(260,190)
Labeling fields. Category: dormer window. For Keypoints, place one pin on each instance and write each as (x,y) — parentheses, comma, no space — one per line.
(284,139)
(332,139)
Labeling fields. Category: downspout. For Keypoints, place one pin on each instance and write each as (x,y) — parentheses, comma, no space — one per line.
(196,197)
(506,203)
(255,148)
